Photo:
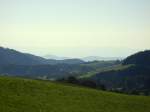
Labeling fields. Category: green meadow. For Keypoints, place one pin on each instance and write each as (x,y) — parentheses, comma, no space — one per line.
(26,95)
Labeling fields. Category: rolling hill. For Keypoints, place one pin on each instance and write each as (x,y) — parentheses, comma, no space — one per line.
(15,63)
(132,76)
(45,71)
(25,95)
(10,56)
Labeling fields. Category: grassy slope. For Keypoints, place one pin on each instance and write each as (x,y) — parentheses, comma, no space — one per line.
(104,69)
(23,95)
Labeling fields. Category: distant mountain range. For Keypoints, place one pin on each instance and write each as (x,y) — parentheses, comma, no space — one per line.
(86,59)
(98,58)
(55,57)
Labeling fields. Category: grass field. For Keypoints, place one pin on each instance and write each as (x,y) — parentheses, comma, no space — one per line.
(25,95)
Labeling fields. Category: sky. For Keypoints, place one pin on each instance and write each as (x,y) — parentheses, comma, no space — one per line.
(75,28)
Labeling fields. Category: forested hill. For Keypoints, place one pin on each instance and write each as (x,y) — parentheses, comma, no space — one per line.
(133,76)
(140,58)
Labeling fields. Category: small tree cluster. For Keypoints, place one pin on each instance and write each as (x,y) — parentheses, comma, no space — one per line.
(83,82)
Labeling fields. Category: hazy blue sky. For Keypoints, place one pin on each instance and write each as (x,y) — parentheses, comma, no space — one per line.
(75,27)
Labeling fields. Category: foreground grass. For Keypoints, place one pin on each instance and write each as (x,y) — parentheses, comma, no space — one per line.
(24,95)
